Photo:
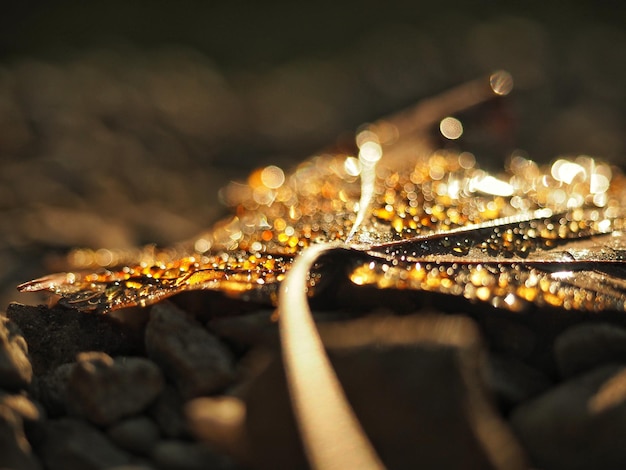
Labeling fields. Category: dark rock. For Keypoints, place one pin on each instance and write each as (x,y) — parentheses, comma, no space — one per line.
(252,328)
(104,390)
(16,371)
(53,390)
(589,345)
(416,386)
(25,408)
(15,450)
(578,425)
(167,411)
(508,335)
(514,382)
(220,421)
(56,335)
(73,444)
(137,435)
(260,327)
(181,455)
(189,355)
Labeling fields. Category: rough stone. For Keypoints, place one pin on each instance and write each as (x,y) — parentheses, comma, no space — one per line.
(168,414)
(589,345)
(23,406)
(578,425)
(188,354)
(15,450)
(53,390)
(72,444)
(104,390)
(137,435)
(514,382)
(252,328)
(415,384)
(16,371)
(56,335)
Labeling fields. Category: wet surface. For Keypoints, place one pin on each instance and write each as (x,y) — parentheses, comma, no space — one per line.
(126,137)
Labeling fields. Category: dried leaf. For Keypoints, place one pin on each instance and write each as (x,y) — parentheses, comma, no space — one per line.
(417,218)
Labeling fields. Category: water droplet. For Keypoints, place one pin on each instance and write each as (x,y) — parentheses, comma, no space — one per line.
(272,177)
(451,128)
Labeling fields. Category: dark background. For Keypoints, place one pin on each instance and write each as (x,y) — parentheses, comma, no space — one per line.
(120,121)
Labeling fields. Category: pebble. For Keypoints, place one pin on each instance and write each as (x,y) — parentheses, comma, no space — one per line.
(31,413)
(514,382)
(244,330)
(104,390)
(218,420)
(508,335)
(579,424)
(73,444)
(16,371)
(193,358)
(588,345)
(167,412)
(137,435)
(15,449)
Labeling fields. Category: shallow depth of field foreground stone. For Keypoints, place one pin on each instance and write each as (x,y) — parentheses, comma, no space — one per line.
(432,390)
(384,363)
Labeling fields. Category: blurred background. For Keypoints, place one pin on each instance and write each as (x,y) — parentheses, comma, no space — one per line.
(120,121)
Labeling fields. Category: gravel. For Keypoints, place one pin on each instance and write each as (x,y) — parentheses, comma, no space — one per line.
(200,398)
(103,390)
(194,359)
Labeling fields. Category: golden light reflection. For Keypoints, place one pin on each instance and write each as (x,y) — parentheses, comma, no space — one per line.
(352,166)
(501,82)
(488,184)
(451,128)
(366,135)
(598,183)
(202,245)
(565,170)
(370,152)
(371,201)
(272,177)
